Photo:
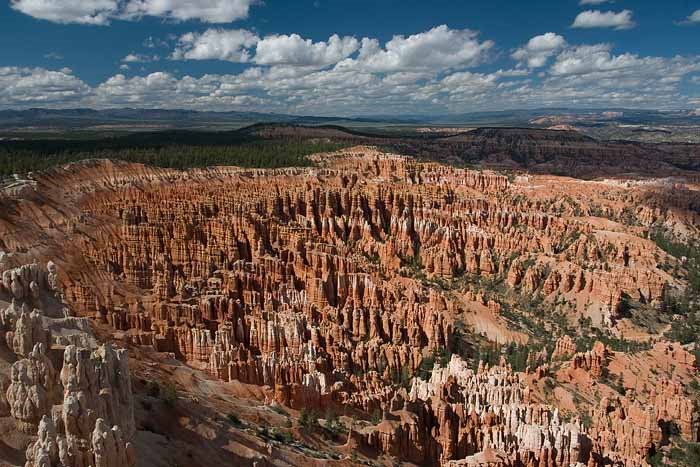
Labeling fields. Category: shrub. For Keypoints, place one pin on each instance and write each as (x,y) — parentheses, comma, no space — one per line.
(284,437)
(586,420)
(549,385)
(376,417)
(169,395)
(426,367)
(308,419)
(278,409)
(153,388)
(333,423)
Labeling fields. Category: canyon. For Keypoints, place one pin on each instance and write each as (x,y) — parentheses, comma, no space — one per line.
(368,310)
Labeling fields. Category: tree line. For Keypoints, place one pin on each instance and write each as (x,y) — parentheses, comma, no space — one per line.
(21,159)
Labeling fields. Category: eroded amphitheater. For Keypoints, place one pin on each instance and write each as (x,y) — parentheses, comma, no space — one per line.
(368,310)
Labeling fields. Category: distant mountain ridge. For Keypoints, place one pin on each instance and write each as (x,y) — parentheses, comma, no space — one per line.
(84,117)
(181,118)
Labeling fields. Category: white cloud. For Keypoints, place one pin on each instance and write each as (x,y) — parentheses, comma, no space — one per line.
(465,82)
(294,50)
(27,87)
(163,90)
(118,90)
(403,78)
(538,49)
(694,18)
(608,80)
(289,50)
(597,59)
(578,76)
(68,11)
(216,44)
(100,12)
(437,49)
(53,56)
(585,59)
(153,42)
(211,11)
(607,19)
(593,75)
(124,67)
(138,58)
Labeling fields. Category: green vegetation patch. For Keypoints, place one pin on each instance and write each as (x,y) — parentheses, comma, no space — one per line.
(21,157)
(689,251)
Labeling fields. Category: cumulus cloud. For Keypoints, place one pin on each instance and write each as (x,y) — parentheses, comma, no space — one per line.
(138,58)
(587,59)
(68,11)
(580,75)
(694,18)
(294,50)
(465,85)
(100,12)
(154,42)
(211,11)
(437,49)
(26,87)
(164,90)
(216,44)
(239,45)
(535,53)
(118,90)
(607,19)
(593,75)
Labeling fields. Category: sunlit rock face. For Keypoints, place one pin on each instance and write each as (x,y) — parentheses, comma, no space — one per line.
(332,288)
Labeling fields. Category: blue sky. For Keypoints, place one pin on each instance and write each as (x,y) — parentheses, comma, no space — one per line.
(339,57)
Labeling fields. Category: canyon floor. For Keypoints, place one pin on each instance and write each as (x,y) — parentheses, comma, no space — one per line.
(367,310)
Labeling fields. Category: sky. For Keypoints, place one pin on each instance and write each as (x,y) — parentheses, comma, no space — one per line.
(350,58)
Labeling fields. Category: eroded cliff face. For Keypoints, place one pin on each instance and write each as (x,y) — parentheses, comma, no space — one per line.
(335,288)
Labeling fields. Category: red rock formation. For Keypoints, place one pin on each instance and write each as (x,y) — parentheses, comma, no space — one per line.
(593,361)
(564,347)
(459,413)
